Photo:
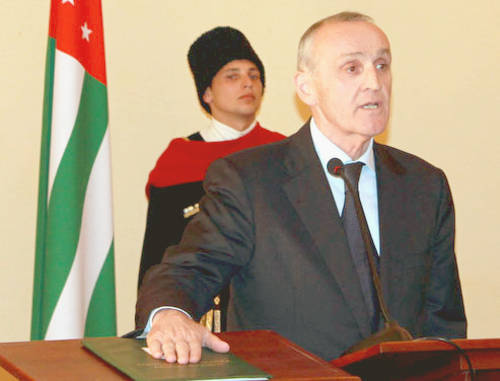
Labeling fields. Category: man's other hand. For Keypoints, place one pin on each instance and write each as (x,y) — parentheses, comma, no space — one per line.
(179,338)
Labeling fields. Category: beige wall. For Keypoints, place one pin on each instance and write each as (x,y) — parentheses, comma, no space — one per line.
(445,109)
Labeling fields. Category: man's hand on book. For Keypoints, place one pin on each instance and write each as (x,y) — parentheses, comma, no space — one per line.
(179,338)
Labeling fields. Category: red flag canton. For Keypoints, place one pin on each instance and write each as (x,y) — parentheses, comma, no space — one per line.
(76,25)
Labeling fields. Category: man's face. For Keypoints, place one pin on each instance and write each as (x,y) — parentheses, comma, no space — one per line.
(351,81)
(235,92)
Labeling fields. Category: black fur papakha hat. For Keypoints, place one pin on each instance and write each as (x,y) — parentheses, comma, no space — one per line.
(215,48)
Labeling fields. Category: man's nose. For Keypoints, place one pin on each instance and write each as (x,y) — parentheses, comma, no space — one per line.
(372,78)
(246,81)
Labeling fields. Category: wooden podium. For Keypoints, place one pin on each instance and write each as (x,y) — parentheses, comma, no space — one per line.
(390,361)
(425,360)
(68,360)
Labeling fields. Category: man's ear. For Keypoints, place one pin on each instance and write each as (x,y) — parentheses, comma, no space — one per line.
(207,95)
(304,87)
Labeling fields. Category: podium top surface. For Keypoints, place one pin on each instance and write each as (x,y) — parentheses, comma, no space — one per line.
(67,359)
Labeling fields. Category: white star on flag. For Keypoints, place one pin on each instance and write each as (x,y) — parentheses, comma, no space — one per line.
(68,1)
(85,31)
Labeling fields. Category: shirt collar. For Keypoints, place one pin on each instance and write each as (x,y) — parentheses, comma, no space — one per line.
(217,131)
(327,150)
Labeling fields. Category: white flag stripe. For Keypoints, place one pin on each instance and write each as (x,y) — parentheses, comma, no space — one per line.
(68,83)
(68,320)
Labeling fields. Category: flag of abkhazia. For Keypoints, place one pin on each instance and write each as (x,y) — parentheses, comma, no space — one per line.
(74,285)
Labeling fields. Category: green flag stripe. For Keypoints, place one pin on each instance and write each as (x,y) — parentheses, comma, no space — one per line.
(36,327)
(101,315)
(68,192)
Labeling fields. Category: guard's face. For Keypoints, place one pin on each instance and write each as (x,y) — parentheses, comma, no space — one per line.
(235,92)
(351,79)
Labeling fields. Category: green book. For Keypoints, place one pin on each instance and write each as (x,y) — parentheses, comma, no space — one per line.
(127,356)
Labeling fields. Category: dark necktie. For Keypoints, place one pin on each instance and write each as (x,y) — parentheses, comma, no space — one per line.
(355,240)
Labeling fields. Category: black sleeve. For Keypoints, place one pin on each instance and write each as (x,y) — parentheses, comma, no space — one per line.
(165,220)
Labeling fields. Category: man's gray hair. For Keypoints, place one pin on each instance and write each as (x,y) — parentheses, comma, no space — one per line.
(304,59)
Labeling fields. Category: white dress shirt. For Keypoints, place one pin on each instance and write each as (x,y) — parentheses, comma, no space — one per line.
(367,187)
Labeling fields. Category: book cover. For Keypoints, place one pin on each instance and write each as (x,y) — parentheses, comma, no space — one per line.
(127,356)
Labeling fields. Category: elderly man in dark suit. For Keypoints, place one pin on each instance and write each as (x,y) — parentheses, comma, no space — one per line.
(272,221)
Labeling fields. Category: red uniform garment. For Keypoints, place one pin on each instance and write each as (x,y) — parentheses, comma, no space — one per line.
(186,161)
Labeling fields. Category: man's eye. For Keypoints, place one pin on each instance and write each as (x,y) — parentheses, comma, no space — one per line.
(381,66)
(351,69)
(255,76)
(232,76)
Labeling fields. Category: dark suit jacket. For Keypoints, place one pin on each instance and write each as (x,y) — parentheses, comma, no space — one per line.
(269,225)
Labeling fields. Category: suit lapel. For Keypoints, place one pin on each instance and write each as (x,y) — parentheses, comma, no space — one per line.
(309,193)
(390,196)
